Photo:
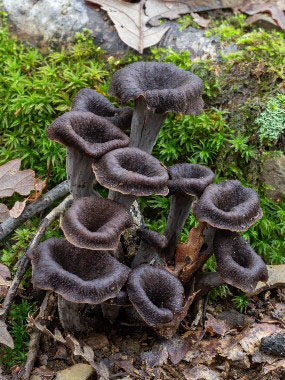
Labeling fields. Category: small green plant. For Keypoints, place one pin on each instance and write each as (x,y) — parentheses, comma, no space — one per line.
(271,121)
(185,21)
(17,321)
(240,302)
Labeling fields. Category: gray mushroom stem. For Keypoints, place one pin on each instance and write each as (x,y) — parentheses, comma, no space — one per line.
(70,315)
(180,206)
(124,199)
(146,124)
(147,255)
(80,175)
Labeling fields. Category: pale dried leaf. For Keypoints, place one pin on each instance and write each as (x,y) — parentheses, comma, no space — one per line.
(5,337)
(4,212)
(17,209)
(5,272)
(132,20)
(201,21)
(4,286)
(12,180)
(201,372)
(274,7)
(276,279)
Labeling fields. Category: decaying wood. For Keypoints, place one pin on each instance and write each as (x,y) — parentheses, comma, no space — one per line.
(32,209)
(43,316)
(24,262)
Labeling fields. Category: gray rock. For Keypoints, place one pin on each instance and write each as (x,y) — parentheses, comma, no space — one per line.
(48,24)
(273,345)
(195,41)
(274,176)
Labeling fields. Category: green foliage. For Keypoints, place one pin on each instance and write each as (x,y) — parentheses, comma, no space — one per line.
(240,302)
(271,121)
(34,90)
(20,240)
(17,321)
(228,29)
(185,21)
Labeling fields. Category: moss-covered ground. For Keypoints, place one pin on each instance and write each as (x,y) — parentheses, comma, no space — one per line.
(233,136)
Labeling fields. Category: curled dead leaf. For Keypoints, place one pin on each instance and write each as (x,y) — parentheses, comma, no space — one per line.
(4,212)
(17,209)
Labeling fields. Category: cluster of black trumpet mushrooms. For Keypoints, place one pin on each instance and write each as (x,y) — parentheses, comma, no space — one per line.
(92,266)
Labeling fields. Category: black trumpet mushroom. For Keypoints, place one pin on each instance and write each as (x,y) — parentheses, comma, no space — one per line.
(157,88)
(86,137)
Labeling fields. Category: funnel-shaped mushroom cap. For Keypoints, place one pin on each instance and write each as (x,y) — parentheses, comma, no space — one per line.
(89,100)
(189,179)
(238,264)
(90,134)
(155,293)
(131,171)
(153,238)
(164,87)
(78,275)
(95,223)
(228,206)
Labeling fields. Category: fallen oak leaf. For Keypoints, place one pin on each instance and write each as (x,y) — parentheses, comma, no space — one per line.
(17,209)
(4,212)
(5,337)
(5,272)
(274,7)
(131,20)
(14,181)
(201,21)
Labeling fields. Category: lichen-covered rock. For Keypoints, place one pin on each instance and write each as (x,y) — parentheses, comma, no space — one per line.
(274,176)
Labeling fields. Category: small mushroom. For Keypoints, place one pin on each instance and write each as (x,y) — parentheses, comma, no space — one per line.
(228,206)
(237,263)
(186,181)
(95,223)
(130,172)
(77,275)
(87,137)
(152,244)
(89,100)
(155,293)
(157,88)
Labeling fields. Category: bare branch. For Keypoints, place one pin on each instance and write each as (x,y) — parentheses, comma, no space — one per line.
(41,204)
(24,262)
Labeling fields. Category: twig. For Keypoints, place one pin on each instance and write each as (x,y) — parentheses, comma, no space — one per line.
(24,263)
(41,204)
(44,314)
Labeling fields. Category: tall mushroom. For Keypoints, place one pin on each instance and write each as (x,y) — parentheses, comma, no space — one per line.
(86,137)
(186,181)
(78,276)
(157,88)
(89,100)
(130,172)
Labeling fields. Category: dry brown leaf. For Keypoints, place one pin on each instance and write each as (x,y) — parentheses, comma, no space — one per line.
(207,5)
(4,286)
(5,272)
(12,180)
(201,372)
(5,337)
(132,20)
(275,7)
(17,209)
(201,21)
(4,212)
(276,279)
(216,326)
(39,184)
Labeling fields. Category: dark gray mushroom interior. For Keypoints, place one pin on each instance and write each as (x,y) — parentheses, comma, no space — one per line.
(95,223)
